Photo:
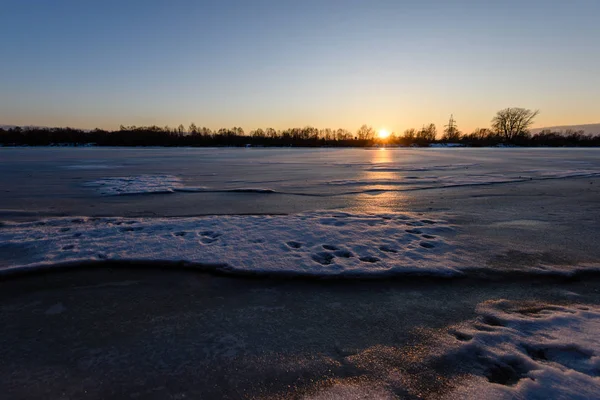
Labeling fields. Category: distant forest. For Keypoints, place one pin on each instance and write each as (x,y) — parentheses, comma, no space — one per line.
(509,127)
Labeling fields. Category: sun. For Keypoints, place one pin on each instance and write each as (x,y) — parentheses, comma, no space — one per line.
(383,134)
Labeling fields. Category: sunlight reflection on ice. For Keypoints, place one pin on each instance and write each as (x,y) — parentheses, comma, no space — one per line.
(376,202)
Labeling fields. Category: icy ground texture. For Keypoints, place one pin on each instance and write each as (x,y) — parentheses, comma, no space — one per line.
(319,243)
(311,244)
(463,179)
(136,184)
(510,351)
(148,184)
(530,351)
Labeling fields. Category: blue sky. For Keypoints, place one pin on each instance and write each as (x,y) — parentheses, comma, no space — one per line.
(278,63)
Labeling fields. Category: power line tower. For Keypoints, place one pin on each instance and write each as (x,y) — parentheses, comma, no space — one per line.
(451,132)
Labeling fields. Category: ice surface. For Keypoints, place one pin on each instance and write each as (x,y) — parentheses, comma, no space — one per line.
(91,166)
(511,350)
(135,184)
(324,244)
(287,171)
(391,167)
(153,184)
(148,184)
(528,351)
(463,179)
(318,244)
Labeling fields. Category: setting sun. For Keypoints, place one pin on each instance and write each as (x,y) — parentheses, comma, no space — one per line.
(383,134)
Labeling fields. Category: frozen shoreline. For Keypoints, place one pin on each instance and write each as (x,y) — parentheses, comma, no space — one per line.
(319,244)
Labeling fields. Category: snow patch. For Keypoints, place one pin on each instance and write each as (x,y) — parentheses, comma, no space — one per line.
(148,184)
(528,350)
(318,244)
(311,244)
(136,184)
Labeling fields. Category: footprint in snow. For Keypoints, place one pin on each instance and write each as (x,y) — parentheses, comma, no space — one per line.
(210,234)
(343,254)
(323,258)
(388,249)
(369,259)
(131,229)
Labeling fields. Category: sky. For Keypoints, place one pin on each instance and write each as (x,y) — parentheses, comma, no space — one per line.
(392,64)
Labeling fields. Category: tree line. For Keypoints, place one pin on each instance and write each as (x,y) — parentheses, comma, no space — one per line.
(509,126)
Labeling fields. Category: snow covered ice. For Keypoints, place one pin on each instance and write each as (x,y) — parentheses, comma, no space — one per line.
(314,244)
(528,351)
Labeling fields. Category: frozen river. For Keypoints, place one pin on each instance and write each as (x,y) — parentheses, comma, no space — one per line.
(479,273)
(200,181)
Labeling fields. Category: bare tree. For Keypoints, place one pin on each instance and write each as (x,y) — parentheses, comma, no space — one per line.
(326,134)
(258,133)
(271,133)
(410,134)
(343,134)
(427,133)
(511,123)
(204,131)
(365,133)
(480,134)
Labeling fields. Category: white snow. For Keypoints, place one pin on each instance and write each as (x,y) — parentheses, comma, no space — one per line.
(148,184)
(135,184)
(333,244)
(529,351)
(318,243)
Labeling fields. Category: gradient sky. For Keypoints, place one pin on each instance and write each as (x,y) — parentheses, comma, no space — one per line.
(392,64)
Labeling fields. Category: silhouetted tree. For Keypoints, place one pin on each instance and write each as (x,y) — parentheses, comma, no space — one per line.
(343,135)
(258,133)
(410,134)
(365,133)
(307,136)
(271,133)
(512,123)
(427,133)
